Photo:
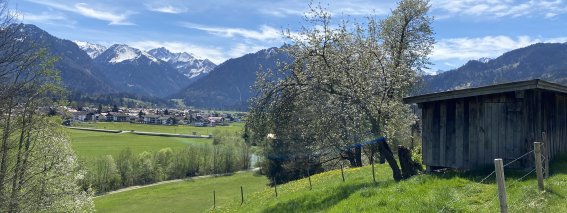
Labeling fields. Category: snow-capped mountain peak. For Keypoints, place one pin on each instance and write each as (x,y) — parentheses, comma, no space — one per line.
(126,53)
(161,53)
(185,63)
(484,60)
(93,50)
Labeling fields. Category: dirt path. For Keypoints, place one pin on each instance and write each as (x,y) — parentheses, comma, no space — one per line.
(130,188)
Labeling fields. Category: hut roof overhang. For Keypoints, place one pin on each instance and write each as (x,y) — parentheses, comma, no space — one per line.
(486,90)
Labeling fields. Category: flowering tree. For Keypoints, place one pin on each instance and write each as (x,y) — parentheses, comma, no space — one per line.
(38,170)
(345,84)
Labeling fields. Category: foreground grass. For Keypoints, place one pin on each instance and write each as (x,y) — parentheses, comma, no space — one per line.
(186,196)
(90,145)
(450,192)
(180,129)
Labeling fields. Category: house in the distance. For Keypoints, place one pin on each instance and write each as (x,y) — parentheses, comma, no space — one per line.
(151,119)
(469,128)
(216,121)
(117,117)
(80,115)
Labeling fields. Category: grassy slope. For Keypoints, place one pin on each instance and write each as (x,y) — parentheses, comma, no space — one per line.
(423,193)
(187,196)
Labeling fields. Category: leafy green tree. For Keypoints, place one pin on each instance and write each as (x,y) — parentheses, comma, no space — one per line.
(163,161)
(125,167)
(114,108)
(106,176)
(145,168)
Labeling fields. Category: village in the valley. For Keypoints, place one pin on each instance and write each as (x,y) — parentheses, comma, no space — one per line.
(154,116)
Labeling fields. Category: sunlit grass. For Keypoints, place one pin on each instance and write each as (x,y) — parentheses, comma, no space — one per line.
(186,196)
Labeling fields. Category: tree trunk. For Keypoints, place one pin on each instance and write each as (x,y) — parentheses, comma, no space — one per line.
(4,151)
(385,151)
(358,156)
(409,167)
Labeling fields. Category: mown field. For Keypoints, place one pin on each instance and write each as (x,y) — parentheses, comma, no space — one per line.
(89,144)
(180,129)
(185,196)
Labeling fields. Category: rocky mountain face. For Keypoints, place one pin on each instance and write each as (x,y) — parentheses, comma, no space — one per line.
(134,71)
(78,73)
(546,61)
(228,85)
(184,63)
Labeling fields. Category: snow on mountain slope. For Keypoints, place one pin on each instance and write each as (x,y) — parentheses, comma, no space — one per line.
(125,53)
(185,63)
(93,50)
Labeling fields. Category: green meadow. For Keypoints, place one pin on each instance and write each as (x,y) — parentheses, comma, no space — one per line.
(185,196)
(445,192)
(179,129)
(90,144)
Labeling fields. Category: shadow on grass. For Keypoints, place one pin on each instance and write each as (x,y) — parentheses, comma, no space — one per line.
(317,202)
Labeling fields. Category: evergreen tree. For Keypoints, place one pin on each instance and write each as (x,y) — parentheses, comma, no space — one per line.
(114,108)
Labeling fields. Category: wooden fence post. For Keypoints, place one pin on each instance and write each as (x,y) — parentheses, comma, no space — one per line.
(214,199)
(275,187)
(538,165)
(309,178)
(546,153)
(373,175)
(241,196)
(342,172)
(501,185)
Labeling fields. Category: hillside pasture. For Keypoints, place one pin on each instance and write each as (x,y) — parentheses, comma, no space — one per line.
(185,196)
(442,192)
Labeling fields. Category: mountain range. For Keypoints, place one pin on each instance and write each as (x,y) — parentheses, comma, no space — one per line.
(184,63)
(94,69)
(546,61)
(228,86)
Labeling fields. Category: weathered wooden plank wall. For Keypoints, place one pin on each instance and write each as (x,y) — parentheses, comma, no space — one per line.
(472,131)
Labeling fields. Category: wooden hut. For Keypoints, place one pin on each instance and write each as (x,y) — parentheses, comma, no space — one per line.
(469,128)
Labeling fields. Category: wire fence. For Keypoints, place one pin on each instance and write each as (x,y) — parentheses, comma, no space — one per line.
(509,186)
(458,197)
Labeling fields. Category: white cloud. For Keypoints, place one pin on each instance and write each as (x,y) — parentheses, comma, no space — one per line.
(114,19)
(42,17)
(166,8)
(488,46)
(84,10)
(263,34)
(352,8)
(497,9)
(281,12)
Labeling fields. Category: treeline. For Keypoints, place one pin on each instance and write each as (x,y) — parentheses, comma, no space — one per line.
(78,99)
(129,169)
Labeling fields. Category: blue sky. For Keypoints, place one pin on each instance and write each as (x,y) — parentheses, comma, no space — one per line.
(223,29)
